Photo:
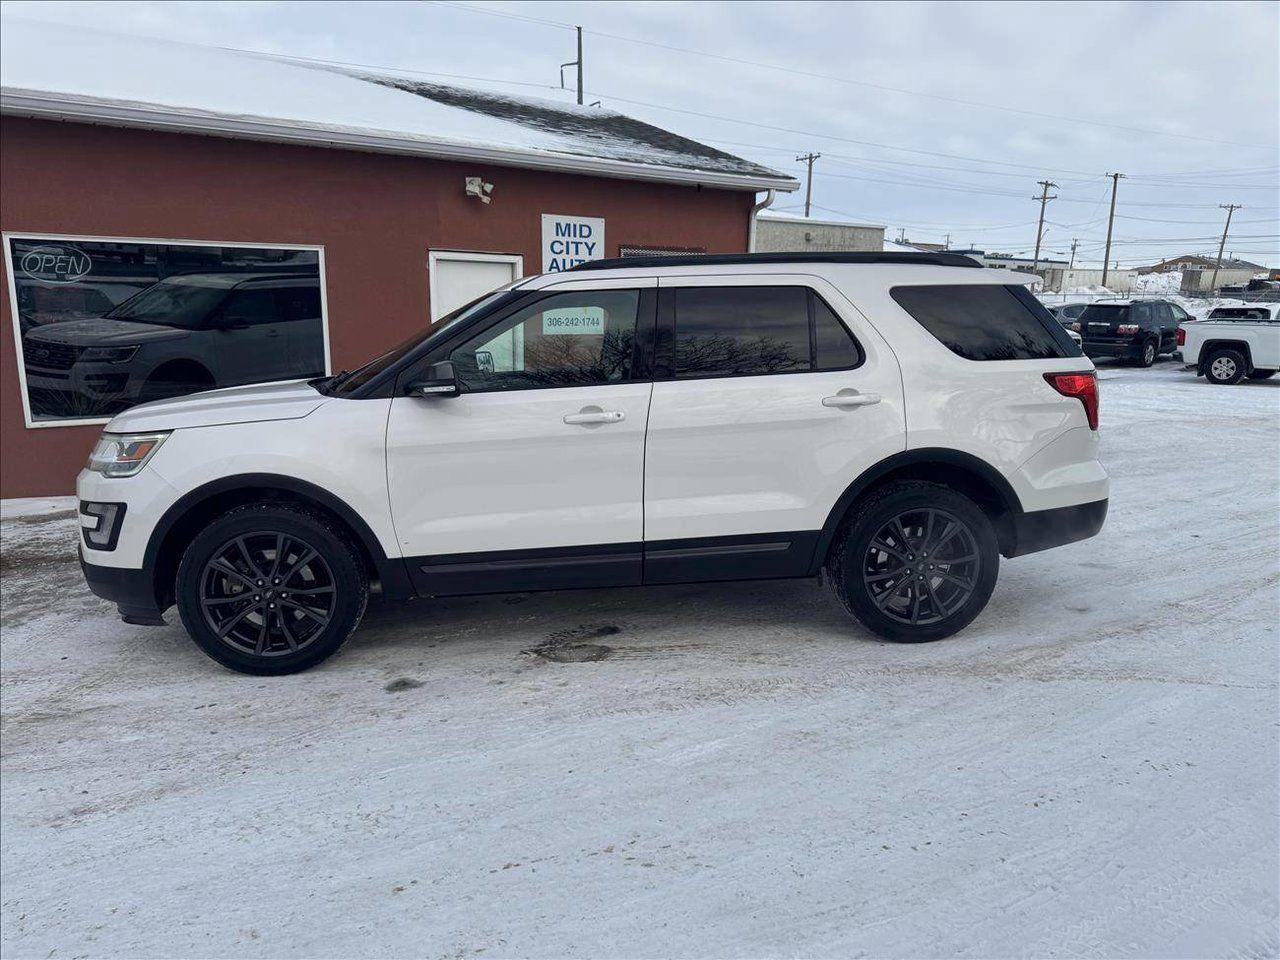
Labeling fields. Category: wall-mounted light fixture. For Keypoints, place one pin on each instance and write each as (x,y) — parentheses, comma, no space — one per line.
(476,187)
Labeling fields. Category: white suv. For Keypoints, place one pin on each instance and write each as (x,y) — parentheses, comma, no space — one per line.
(895,421)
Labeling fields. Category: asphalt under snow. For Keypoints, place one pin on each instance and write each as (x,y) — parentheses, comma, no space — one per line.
(1089,770)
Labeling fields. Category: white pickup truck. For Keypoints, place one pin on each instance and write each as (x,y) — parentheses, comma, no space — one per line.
(1233,343)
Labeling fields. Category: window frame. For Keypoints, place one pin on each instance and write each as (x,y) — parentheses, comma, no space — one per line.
(8,236)
(664,344)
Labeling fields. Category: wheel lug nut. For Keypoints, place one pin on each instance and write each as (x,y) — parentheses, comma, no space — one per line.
(271,606)
(256,597)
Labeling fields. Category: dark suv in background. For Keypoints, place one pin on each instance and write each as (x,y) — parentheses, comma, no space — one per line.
(1138,330)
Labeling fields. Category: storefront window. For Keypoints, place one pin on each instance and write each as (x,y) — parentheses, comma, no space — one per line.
(104,325)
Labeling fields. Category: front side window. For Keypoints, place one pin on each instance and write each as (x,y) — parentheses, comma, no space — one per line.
(750,331)
(565,340)
(986,321)
(107,324)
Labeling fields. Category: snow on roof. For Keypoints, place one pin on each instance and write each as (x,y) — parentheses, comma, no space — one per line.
(892,246)
(782,215)
(73,73)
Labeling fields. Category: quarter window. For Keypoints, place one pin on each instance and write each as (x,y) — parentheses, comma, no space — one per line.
(747,331)
(565,340)
(985,321)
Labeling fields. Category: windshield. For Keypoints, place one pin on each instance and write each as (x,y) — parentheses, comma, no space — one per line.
(362,375)
(174,302)
(1240,313)
(1111,313)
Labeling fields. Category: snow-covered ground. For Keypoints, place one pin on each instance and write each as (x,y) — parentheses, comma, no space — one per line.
(1089,770)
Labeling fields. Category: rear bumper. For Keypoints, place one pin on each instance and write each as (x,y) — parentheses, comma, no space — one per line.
(1119,351)
(1043,529)
(132,591)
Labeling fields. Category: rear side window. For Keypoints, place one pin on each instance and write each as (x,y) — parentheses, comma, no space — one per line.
(985,321)
(747,331)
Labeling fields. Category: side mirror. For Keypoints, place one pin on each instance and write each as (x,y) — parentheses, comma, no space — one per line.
(440,380)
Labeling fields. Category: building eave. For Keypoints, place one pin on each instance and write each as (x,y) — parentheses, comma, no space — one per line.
(78,109)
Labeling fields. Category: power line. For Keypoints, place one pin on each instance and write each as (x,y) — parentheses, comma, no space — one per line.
(848,80)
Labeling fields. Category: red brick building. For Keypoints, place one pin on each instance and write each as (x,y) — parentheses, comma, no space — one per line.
(163,237)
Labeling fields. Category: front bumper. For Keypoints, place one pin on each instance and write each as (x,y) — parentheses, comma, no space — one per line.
(132,591)
(1042,529)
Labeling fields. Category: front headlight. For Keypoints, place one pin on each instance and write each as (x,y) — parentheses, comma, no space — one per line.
(124,454)
(107,354)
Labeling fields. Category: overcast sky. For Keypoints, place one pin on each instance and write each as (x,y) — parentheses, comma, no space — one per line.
(931,118)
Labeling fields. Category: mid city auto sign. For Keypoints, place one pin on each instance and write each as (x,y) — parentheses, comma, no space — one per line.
(568,241)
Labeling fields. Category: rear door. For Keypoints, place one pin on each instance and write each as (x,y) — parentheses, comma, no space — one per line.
(772,394)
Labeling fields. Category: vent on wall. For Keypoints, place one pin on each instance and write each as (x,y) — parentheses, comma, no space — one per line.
(632,251)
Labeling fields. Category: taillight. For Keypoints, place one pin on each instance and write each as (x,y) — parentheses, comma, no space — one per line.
(1182,337)
(1083,385)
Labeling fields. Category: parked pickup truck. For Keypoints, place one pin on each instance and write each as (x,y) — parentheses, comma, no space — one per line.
(1233,343)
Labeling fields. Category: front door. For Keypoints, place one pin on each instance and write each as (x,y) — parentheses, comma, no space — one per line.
(779,395)
(532,478)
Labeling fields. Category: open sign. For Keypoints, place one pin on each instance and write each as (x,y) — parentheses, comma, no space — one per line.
(56,264)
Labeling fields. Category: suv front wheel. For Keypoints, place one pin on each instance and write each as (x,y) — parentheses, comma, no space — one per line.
(915,561)
(271,588)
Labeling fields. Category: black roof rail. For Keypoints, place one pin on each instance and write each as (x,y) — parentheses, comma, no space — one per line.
(737,259)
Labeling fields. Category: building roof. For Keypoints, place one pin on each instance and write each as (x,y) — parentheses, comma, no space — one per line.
(785,217)
(69,73)
(1228,263)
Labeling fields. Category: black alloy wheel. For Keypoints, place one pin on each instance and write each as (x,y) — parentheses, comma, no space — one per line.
(267,594)
(914,561)
(922,566)
(271,588)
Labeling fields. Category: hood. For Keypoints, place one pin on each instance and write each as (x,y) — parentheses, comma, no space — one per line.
(289,400)
(103,332)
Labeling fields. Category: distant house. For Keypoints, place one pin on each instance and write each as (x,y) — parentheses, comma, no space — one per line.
(1196,261)
(778,232)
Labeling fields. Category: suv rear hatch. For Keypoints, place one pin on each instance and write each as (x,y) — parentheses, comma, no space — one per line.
(1101,323)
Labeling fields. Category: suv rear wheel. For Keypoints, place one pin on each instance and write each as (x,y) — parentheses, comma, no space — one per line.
(1224,366)
(915,561)
(1150,350)
(271,588)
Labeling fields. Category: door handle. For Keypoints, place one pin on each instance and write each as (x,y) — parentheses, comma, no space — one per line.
(596,416)
(844,400)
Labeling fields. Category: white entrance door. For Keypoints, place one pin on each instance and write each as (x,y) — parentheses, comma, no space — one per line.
(458,277)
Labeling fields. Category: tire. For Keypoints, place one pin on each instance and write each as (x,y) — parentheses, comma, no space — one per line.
(1224,367)
(304,612)
(1150,350)
(1261,374)
(860,574)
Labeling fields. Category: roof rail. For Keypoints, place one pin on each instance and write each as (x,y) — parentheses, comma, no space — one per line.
(732,259)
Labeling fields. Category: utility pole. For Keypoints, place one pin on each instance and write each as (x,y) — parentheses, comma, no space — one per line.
(1230,208)
(902,234)
(946,245)
(1044,198)
(1074,242)
(1111,219)
(808,183)
(574,63)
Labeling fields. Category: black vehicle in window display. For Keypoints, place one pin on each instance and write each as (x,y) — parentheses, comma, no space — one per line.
(180,335)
